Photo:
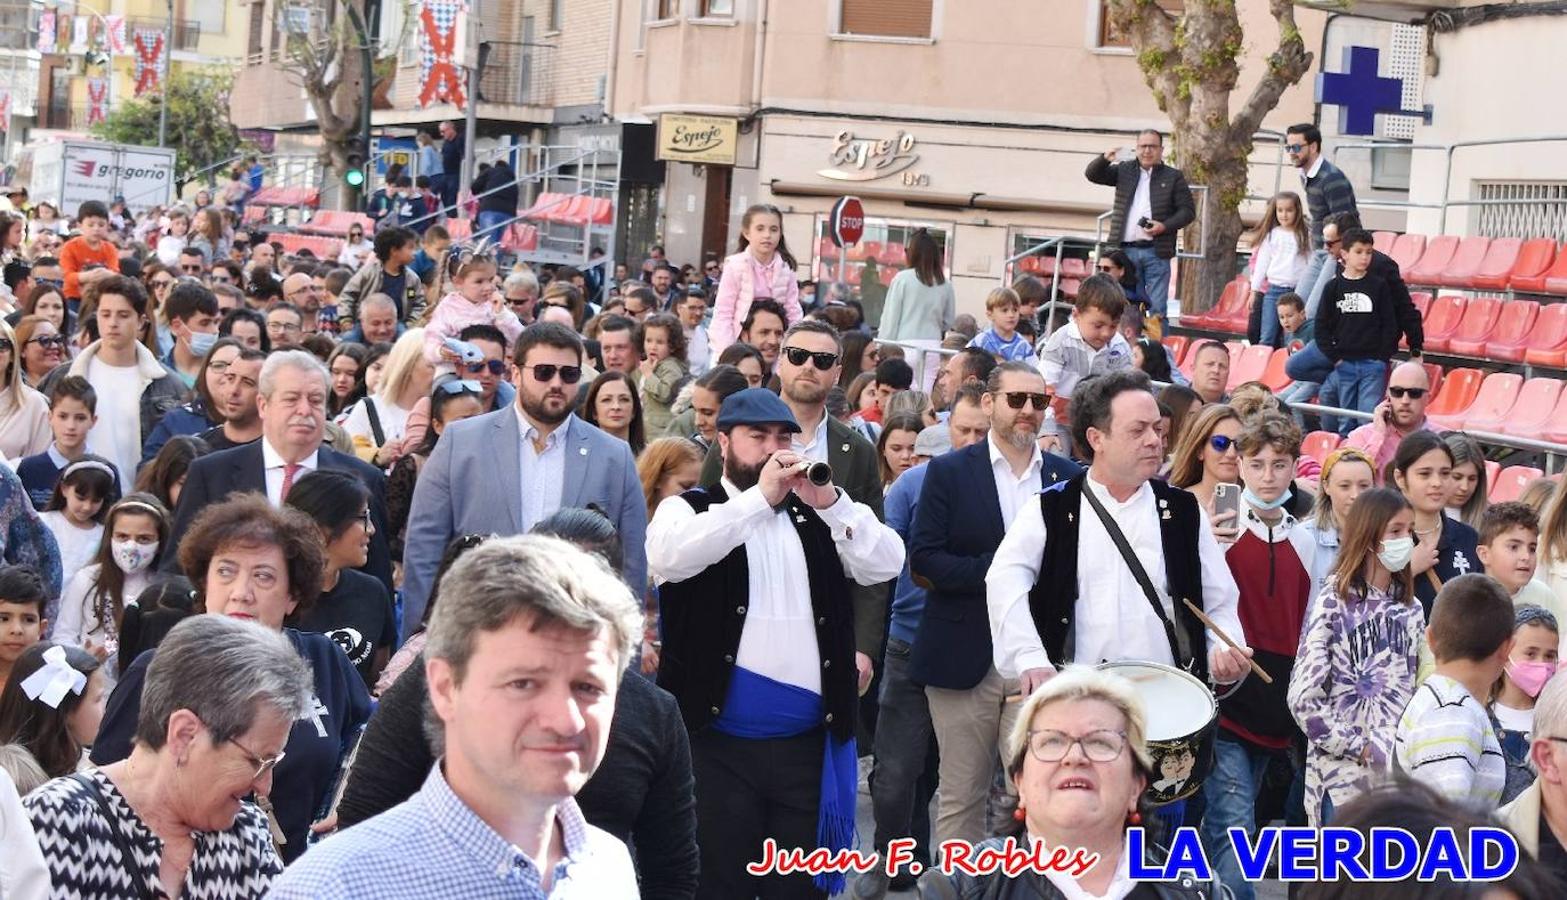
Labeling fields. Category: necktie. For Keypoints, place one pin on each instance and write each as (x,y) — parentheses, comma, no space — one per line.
(289,471)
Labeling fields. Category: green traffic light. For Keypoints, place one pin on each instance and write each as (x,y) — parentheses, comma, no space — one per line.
(354,177)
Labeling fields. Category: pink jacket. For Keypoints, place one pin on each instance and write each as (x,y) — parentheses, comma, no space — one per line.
(454,313)
(737,287)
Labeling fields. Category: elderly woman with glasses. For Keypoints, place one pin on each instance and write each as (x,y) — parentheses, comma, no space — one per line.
(1079,757)
(173,819)
(251,561)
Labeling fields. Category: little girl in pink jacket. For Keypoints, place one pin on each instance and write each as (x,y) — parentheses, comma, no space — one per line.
(475,301)
(763,267)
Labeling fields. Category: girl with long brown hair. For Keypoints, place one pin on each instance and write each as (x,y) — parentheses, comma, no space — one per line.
(921,304)
(1283,247)
(760,268)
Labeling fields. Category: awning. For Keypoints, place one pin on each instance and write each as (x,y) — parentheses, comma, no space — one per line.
(933,199)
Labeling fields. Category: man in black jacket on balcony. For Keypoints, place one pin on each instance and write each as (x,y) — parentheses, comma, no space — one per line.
(496,190)
(451,166)
(1152,203)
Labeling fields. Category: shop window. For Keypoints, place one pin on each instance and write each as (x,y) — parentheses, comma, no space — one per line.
(887,18)
(1110,36)
(882,245)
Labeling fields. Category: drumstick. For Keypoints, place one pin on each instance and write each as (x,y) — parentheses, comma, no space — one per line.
(1197,611)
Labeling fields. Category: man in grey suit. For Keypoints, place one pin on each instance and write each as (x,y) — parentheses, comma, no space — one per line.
(503,472)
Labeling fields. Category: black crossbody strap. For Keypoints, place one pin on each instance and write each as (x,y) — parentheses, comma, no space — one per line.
(132,862)
(1180,644)
(375,422)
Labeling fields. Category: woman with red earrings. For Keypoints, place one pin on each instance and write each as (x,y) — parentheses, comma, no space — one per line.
(1079,757)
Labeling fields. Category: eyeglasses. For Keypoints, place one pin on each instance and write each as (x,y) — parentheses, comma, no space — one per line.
(495,366)
(1107,268)
(52,282)
(1016,399)
(1399,393)
(519,301)
(1294,148)
(263,764)
(48,340)
(1049,745)
(1221,443)
(161,284)
(364,519)
(1333,243)
(464,386)
(798,355)
(544,373)
(284,327)
(191,270)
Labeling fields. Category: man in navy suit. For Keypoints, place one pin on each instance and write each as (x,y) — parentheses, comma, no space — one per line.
(504,472)
(291,395)
(969,499)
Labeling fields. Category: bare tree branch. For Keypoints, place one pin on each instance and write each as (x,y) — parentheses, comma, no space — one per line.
(1286,65)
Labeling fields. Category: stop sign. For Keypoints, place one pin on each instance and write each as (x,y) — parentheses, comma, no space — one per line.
(846,224)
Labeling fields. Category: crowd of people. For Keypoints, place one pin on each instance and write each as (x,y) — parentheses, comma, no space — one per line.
(423,572)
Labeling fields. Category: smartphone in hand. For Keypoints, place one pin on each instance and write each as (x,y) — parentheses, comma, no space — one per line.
(1227,498)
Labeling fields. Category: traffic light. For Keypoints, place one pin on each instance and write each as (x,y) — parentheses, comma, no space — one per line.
(354,166)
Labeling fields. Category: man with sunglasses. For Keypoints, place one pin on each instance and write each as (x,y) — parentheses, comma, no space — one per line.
(503,472)
(521,291)
(970,498)
(491,375)
(1152,204)
(1327,191)
(193,263)
(1401,413)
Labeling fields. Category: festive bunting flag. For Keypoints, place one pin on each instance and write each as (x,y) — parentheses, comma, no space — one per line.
(97,100)
(5,111)
(79,26)
(439,76)
(149,59)
(114,35)
(46,32)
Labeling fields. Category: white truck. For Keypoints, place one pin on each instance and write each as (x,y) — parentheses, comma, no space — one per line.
(70,172)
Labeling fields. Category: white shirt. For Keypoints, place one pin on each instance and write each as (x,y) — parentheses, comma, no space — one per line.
(697,351)
(393,420)
(1141,207)
(272,463)
(1307,174)
(1014,491)
(78,545)
(117,435)
(1111,620)
(543,471)
(816,448)
(779,637)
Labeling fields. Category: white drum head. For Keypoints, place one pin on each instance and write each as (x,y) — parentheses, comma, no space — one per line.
(1175,702)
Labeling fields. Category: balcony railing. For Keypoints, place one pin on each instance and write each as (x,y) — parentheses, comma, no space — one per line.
(517,75)
(187,32)
(64,116)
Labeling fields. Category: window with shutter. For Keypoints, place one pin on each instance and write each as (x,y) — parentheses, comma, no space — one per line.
(258,21)
(1110,36)
(887,18)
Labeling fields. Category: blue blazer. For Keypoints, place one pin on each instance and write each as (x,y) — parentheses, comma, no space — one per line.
(215,476)
(472,484)
(957,528)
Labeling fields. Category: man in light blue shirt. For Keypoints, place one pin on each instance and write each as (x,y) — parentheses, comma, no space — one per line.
(525,651)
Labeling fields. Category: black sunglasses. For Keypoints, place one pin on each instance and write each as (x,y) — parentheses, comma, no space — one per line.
(51,340)
(495,366)
(1220,443)
(191,270)
(1016,399)
(544,373)
(1399,393)
(798,355)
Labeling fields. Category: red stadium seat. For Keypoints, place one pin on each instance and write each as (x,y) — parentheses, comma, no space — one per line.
(1548,338)
(1442,321)
(1434,376)
(1178,344)
(1534,260)
(1406,251)
(1476,327)
(1319,444)
(1046,266)
(1433,262)
(1461,269)
(336,222)
(872,249)
(1459,387)
(459,229)
(1555,425)
(1422,302)
(1069,287)
(893,254)
(1274,375)
(1384,239)
(601,211)
(1536,402)
(1249,364)
(1072,267)
(1234,297)
(1510,338)
(1493,401)
(1556,275)
(1497,266)
(546,205)
(1492,469)
(1511,481)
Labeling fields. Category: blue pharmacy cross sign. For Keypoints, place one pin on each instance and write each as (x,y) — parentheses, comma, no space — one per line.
(1360,93)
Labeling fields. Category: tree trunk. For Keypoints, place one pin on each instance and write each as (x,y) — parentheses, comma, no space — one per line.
(1224,173)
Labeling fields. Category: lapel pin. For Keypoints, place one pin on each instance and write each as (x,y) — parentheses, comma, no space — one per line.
(1165,515)
(1164,504)
(845,448)
(1069,517)
(582,450)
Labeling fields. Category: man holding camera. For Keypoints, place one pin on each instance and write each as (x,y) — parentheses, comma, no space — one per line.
(1152,203)
(754,579)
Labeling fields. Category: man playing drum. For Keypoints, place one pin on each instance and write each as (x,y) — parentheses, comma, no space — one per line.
(1064,585)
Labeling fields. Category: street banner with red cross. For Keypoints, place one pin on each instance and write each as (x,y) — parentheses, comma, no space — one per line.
(97,100)
(114,35)
(440,26)
(149,59)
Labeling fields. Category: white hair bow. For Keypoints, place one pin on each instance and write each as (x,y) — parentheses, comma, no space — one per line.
(51,682)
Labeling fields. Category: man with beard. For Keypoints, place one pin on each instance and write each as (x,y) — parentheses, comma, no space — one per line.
(970,498)
(759,645)
(503,472)
(235,400)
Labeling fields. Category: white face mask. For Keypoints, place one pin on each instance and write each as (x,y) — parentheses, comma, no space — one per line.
(132,557)
(1396,553)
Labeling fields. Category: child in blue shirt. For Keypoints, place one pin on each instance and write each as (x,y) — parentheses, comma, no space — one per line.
(1002,339)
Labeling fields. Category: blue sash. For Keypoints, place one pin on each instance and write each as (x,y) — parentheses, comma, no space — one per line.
(757,707)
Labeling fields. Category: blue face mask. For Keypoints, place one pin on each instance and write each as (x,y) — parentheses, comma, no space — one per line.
(1257,502)
(201,342)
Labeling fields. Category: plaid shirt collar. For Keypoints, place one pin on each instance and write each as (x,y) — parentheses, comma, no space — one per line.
(452,817)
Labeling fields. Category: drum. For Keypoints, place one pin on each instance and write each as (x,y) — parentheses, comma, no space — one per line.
(1183,721)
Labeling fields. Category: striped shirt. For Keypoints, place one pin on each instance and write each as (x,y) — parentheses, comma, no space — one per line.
(434,846)
(1445,741)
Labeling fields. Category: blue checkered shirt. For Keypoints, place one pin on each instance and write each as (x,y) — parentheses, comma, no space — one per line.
(434,846)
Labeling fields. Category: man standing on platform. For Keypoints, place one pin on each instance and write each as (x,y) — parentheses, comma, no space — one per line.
(1152,203)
